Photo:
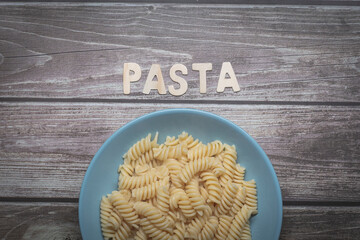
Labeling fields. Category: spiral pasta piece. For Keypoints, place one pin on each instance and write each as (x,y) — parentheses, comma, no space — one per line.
(204,193)
(209,229)
(224,226)
(239,174)
(238,224)
(145,158)
(179,232)
(213,186)
(179,199)
(228,197)
(162,172)
(123,232)
(194,167)
(187,139)
(139,148)
(152,201)
(171,141)
(208,150)
(251,198)
(128,182)
(218,168)
(141,170)
(148,191)
(126,170)
(163,199)
(195,226)
(184,137)
(152,231)
(165,152)
(153,214)
(109,219)
(246,233)
(174,170)
(229,163)
(196,143)
(122,205)
(239,201)
(193,192)
(140,235)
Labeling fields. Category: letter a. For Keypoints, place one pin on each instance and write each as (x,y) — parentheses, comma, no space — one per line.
(232,82)
(155,70)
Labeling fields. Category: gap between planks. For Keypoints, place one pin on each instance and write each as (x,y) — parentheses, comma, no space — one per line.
(180,101)
(191,3)
(244,48)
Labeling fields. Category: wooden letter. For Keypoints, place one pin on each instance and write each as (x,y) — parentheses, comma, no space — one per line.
(181,81)
(202,68)
(232,82)
(127,78)
(155,70)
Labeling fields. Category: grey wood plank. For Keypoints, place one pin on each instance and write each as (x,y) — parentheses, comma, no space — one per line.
(320,223)
(39,221)
(59,221)
(275,2)
(281,53)
(45,148)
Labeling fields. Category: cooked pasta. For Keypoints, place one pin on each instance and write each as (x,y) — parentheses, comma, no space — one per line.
(246,233)
(195,226)
(152,231)
(163,199)
(209,229)
(228,197)
(179,190)
(239,223)
(148,191)
(239,174)
(193,192)
(180,200)
(125,209)
(209,150)
(109,223)
(153,214)
(164,152)
(239,201)
(123,232)
(224,226)
(229,162)
(131,182)
(251,198)
(213,186)
(179,231)
(140,235)
(139,148)
(194,167)
(145,158)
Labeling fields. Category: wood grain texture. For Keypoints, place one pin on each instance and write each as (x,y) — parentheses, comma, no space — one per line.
(59,221)
(321,223)
(278,53)
(45,148)
(29,221)
(273,2)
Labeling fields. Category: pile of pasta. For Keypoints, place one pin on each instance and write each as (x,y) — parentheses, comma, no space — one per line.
(182,189)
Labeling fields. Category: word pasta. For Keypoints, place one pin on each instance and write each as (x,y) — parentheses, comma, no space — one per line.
(132,73)
(182,189)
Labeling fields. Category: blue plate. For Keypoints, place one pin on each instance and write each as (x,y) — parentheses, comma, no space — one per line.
(101,177)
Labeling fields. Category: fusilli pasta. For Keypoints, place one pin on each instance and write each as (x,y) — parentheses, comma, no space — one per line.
(180,190)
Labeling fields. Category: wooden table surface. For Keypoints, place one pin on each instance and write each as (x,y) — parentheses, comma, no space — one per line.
(61,97)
